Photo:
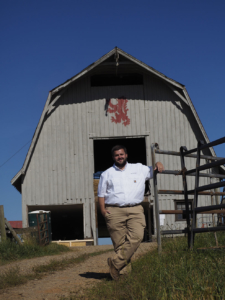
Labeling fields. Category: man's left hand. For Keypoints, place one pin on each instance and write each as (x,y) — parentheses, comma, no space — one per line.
(159,166)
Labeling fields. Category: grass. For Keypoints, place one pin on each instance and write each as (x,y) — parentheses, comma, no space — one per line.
(13,277)
(177,273)
(10,251)
(56,265)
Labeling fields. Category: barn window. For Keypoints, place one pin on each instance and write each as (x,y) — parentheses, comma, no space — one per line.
(180,205)
(113,79)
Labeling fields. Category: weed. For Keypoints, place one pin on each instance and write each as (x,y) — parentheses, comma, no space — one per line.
(13,277)
(10,251)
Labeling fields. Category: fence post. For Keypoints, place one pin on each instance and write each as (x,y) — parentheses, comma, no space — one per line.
(149,223)
(212,202)
(96,221)
(13,232)
(153,146)
(2,224)
(183,168)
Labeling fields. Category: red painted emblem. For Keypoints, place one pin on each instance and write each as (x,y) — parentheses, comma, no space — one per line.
(120,110)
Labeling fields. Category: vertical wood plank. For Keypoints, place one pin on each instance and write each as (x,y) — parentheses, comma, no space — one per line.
(68,148)
(54,160)
(59,119)
(75,145)
(45,179)
(85,150)
(80,151)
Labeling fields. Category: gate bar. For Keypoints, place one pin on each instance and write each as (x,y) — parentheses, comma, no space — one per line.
(207,166)
(208,229)
(207,208)
(177,173)
(181,211)
(178,192)
(204,146)
(158,151)
(208,187)
(174,231)
(214,143)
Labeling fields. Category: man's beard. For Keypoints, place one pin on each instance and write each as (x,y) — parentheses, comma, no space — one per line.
(121,164)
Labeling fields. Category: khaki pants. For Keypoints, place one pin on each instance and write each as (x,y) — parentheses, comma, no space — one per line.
(126,228)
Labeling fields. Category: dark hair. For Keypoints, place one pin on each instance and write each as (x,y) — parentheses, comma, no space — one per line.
(118,147)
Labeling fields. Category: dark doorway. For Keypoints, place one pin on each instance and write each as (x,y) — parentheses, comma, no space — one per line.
(66,221)
(149,230)
(136,149)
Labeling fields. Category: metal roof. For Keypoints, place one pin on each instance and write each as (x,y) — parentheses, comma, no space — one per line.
(16,224)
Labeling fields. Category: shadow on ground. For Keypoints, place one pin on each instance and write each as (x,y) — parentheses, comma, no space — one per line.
(96,275)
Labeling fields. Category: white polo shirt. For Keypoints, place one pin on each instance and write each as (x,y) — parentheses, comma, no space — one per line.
(124,187)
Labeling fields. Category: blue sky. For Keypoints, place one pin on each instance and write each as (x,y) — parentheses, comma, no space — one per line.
(44,43)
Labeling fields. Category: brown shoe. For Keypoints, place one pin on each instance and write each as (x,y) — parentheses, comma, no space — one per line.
(115,274)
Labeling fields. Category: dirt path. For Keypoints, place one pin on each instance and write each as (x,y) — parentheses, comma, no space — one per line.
(77,278)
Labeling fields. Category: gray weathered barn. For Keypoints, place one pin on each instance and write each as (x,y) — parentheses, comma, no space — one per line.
(117,99)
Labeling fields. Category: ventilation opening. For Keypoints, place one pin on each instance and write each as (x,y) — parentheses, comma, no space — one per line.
(113,79)
(136,149)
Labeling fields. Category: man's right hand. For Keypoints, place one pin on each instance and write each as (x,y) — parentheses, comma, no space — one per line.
(104,212)
(101,202)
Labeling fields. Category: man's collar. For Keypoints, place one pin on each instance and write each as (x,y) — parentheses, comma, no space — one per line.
(118,169)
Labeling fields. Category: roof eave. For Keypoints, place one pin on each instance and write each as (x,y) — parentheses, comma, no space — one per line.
(103,58)
(152,70)
(83,72)
(16,181)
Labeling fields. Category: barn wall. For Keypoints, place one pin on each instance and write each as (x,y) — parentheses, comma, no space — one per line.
(61,168)
(62,161)
(171,125)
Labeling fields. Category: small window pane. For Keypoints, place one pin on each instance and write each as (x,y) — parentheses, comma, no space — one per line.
(181,206)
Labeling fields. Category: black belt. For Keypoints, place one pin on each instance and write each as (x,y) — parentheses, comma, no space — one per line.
(110,205)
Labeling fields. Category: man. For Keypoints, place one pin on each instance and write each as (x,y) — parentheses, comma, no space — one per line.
(120,193)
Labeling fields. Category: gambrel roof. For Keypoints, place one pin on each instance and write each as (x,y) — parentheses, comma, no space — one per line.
(56,93)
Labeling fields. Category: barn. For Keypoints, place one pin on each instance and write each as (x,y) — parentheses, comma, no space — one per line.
(116,100)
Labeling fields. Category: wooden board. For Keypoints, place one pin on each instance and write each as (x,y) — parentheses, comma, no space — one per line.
(26,230)
(78,244)
(75,243)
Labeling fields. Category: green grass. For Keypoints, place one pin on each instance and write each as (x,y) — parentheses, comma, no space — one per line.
(13,276)
(56,265)
(10,251)
(177,273)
